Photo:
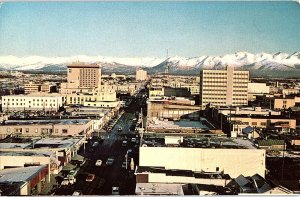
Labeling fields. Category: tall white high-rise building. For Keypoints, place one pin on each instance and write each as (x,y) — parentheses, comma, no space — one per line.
(224,87)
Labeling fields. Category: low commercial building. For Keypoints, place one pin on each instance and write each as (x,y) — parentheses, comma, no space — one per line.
(58,127)
(99,116)
(255,89)
(102,99)
(33,102)
(271,144)
(217,156)
(53,152)
(237,123)
(172,109)
(278,102)
(23,181)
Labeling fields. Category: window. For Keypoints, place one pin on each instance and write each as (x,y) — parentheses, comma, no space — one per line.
(254,123)
(56,130)
(27,130)
(217,169)
(65,131)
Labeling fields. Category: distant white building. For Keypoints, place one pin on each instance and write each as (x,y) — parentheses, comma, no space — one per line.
(36,102)
(141,75)
(258,88)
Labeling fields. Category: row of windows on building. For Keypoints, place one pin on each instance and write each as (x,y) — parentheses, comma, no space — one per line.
(43,130)
(33,104)
(42,100)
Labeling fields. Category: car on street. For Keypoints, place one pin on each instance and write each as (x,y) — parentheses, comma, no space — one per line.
(90,177)
(72,174)
(124,143)
(133,140)
(109,161)
(115,191)
(68,181)
(77,193)
(98,163)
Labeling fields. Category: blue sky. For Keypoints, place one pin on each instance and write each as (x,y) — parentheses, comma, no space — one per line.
(147,29)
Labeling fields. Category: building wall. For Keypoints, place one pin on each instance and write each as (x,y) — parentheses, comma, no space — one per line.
(284,103)
(89,98)
(47,129)
(31,88)
(162,178)
(224,87)
(258,88)
(141,75)
(87,75)
(162,110)
(20,161)
(47,102)
(264,122)
(232,161)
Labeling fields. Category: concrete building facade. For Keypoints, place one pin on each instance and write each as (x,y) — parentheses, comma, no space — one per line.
(233,162)
(34,102)
(141,75)
(224,87)
(84,75)
(59,127)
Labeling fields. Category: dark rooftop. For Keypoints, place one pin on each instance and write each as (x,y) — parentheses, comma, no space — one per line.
(186,173)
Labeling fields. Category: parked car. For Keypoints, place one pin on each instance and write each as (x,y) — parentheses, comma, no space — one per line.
(110,161)
(77,193)
(68,181)
(115,191)
(124,143)
(90,177)
(133,140)
(98,163)
(72,173)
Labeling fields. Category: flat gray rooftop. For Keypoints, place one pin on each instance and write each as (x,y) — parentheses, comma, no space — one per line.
(44,122)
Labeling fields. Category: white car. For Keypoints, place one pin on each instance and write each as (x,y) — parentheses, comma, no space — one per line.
(110,161)
(98,163)
(115,191)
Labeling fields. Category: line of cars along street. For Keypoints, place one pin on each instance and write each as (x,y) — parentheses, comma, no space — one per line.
(70,179)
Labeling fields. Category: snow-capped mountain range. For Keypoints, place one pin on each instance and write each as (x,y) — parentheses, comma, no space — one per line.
(263,63)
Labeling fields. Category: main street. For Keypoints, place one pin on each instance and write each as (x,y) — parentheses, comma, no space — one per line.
(107,177)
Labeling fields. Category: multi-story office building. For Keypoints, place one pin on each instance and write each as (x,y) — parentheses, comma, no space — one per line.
(32,87)
(141,75)
(84,75)
(224,87)
(37,101)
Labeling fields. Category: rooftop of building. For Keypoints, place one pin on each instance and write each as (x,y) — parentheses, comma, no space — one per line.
(36,94)
(26,153)
(46,122)
(180,124)
(79,64)
(22,174)
(259,116)
(202,141)
(185,173)
(11,188)
(257,109)
(38,143)
(158,189)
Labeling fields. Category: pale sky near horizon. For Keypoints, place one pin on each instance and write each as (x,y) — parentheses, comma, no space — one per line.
(147,29)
